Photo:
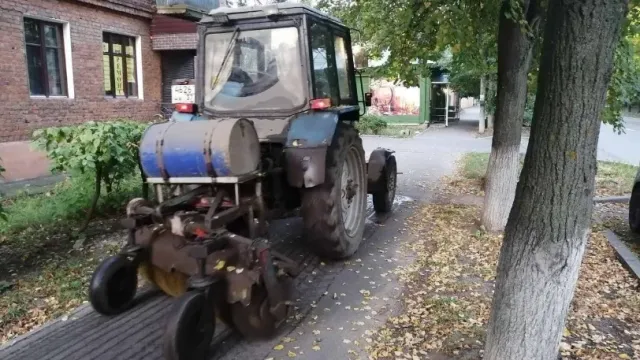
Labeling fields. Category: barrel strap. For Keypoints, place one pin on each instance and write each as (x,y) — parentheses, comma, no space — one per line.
(159,153)
(206,151)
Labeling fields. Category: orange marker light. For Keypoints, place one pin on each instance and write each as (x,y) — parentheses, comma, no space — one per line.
(320,104)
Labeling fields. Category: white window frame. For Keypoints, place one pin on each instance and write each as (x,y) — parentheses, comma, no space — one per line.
(68,59)
(139,74)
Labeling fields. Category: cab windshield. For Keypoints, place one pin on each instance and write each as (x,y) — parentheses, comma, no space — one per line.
(253,70)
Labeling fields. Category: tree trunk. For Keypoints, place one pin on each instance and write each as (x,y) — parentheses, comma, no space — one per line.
(514,60)
(94,201)
(482,100)
(547,230)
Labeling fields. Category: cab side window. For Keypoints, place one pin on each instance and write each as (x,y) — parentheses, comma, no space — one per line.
(342,67)
(323,63)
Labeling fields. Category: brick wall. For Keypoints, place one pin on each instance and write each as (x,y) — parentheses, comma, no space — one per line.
(20,114)
(175,41)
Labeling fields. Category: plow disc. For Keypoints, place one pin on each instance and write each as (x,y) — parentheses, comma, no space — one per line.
(171,283)
(259,320)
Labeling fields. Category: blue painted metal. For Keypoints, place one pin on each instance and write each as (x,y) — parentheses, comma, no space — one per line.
(312,129)
(198,148)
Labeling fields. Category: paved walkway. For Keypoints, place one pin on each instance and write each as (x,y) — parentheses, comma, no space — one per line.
(321,317)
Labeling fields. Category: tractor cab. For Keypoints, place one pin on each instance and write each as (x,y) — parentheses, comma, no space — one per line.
(272,61)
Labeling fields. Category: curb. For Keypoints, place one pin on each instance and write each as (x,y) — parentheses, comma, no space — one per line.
(30,186)
(612,199)
(629,259)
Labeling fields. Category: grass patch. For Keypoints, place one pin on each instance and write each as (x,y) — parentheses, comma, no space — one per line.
(67,202)
(474,165)
(612,178)
(615,178)
(397,131)
(45,226)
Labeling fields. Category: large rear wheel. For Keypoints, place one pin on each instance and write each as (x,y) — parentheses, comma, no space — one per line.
(334,212)
(383,199)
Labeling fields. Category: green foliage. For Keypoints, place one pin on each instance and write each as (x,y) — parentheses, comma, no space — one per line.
(371,124)
(491,94)
(528,109)
(107,149)
(411,32)
(624,89)
(465,85)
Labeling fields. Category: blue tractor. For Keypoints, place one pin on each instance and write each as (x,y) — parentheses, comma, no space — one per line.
(264,131)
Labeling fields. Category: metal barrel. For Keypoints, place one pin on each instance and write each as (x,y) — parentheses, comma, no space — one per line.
(208,148)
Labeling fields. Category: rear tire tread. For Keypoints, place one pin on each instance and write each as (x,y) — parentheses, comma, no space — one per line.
(321,208)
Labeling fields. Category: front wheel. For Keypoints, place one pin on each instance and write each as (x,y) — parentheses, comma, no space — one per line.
(334,212)
(190,328)
(113,285)
(634,210)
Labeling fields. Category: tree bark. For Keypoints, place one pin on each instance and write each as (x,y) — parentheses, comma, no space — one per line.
(94,201)
(547,230)
(482,100)
(514,60)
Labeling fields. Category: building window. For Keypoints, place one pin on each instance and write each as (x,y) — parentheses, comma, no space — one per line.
(119,65)
(45,58)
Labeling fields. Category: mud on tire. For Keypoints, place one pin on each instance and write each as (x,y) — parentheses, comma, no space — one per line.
(322,213)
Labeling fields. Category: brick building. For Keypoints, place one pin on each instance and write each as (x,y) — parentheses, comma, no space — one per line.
(65,62)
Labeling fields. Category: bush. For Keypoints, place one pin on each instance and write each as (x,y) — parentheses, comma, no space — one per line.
(371,124)
(107,152)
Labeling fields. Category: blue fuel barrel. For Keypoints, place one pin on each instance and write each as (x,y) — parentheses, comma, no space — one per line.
(208,148)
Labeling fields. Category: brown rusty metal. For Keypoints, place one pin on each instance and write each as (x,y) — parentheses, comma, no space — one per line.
(170,253)
(240,281)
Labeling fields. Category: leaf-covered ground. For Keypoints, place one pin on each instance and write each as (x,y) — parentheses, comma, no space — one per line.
(616,218)
(58,286)
(448,295)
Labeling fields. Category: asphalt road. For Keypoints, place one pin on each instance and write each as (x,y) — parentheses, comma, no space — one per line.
(620,147)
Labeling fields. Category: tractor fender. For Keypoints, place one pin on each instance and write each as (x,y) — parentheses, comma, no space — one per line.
(376,169)
(308,138)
